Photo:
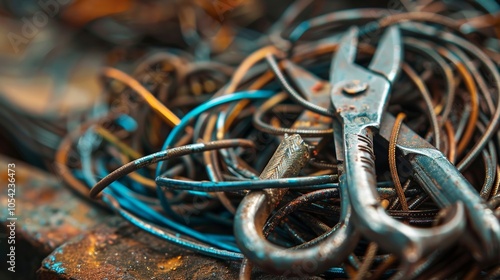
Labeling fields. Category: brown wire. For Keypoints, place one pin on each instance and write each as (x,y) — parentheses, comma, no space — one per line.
(451,141)
(377,274)
(419,16)
(350,270)
(61,158)
(371,252)
(472,90)
(392,161)
(207,135)
(245,270)
(494,273)
(238,76)
(496,188)
(471,125)
(473,273)
(410,72)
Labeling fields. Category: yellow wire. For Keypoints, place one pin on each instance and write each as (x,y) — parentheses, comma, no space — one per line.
(127,151)
(247,64)
(124,148)
(471,125)
(155,104)
(244,67)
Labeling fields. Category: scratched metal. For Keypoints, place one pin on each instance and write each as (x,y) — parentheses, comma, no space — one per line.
(446,185)
(256,207)
(291,155)
(361,115)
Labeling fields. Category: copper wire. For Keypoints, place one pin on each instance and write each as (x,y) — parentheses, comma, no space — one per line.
(383,267)
(451,141)
(474,102)
(408,70)
(371,252)
(238,76)
(496,188)
(207,137)
(392,160)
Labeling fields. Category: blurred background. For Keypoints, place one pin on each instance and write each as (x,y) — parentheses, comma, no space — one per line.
(55,57)
(52,53)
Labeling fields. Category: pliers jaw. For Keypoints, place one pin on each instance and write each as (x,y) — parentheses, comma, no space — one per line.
(360,95)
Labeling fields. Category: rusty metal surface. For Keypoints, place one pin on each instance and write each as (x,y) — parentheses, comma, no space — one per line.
(48,215)
(53,237)
(118,250)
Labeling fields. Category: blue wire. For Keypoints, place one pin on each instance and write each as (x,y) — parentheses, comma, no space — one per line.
(299,30)
(137,207)
(191,115)
(257,94)
(125,198)
(126,202)
(170,237)
(127,122)
(316,182)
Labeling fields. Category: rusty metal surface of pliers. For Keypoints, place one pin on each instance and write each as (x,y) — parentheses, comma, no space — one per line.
(359,96)
(446,185)
(256,207)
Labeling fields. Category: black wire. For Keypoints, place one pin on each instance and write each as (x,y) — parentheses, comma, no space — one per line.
(165,155)
(271,60)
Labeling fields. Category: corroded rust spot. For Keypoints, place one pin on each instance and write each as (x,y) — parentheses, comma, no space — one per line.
(132,254)
(317,87)
(170,264)
(355,87)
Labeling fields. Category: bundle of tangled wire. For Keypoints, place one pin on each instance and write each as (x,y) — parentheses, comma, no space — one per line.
(184,142)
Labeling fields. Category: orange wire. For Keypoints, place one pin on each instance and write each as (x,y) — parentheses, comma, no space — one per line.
(392,161)
(206,157)
(61,159)
(247,64)
(371,252)
(377,274)
(155,104)
(128,153)
(471,125)
(451,141)
(238,76)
